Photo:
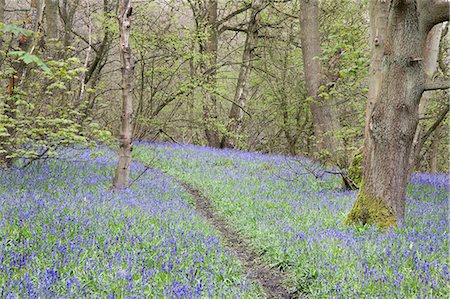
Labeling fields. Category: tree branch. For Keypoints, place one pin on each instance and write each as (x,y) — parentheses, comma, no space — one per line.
(436,124)
(436,85)
(227,28)
(433,12)
(233,14)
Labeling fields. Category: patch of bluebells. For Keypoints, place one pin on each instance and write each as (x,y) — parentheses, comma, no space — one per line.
(297,223)
(65,234)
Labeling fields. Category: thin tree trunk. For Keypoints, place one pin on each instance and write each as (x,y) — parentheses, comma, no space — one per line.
(67,12)
(125,135)
(397,80)
(325,122)
(2,19)
(236,114)
(291,138)
(2,11)
(210,114)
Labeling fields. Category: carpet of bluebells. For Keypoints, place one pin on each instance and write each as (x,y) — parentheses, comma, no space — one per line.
(65,234)
(296,222)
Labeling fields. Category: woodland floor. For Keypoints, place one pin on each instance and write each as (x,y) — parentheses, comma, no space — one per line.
(270,280)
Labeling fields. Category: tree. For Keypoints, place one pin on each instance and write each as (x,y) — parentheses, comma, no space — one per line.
(51,18)
(323,110)
(125,136)
(242,85)
(430,61)
(398,32)
(2,11)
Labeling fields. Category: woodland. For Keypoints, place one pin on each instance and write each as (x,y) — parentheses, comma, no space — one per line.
(224,148)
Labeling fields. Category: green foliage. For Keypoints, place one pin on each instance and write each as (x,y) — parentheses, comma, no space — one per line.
(15,30)
(28,58)
(40,111)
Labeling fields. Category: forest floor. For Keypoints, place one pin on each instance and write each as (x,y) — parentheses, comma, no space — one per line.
(269,279)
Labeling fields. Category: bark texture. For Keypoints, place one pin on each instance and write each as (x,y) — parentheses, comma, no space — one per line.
(324,118)
(236,114)
(210,114)
(125,135)
(2,11)
(51,18)
(399,29)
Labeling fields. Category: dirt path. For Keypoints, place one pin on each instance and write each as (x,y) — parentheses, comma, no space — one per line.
(269,279)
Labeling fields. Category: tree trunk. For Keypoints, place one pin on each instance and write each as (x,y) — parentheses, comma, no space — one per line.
(125,135)
(430,60)
(2,19)
(397,80)
(210,114)
(325,122)
(51,18)
(67,13)
(2,11)
(242,86)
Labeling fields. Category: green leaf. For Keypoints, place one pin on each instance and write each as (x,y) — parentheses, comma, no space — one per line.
(7,28)
(28,58)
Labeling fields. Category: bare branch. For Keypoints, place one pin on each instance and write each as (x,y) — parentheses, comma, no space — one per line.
(227,28)
(233,14)
(436,124)
(436,85)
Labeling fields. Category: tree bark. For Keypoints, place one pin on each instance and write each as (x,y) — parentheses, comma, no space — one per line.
(51,18)
(398,31)
(67,11)
(325,122)
(210,114)
(125,135)
(2,19)
(2,11)
(236,114)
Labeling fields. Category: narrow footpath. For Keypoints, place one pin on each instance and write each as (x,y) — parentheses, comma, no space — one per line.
(269,279)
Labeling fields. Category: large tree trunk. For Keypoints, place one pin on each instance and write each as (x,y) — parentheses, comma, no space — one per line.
(210,114)
(125,135)
(325,122)
(242,86)
(397,80)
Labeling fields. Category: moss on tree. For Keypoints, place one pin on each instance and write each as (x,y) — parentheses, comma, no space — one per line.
(369,209)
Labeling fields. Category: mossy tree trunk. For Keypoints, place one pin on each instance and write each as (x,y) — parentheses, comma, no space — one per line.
(399,29)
